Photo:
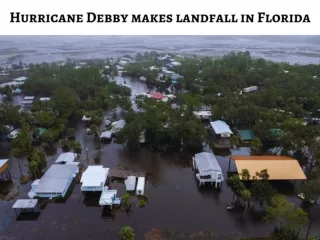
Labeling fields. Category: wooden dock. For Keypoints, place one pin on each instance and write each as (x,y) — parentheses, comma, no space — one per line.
(122,173)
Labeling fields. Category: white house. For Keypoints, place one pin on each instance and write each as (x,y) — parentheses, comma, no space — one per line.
(222,134)
(140,186)
(56,181)
(28,100)
(66,158)
(250,89)
(207,169)
(203,115)
(94,178)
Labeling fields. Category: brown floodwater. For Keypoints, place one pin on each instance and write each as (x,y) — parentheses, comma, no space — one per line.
(174,200)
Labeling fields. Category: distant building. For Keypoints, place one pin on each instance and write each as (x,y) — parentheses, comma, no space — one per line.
(250,89)
(221,134)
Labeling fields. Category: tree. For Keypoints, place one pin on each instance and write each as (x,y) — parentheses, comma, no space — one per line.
(126,233)
(262,192)
(235,141)
(16,152)
(255,146)
(285,214)
(236,185)
(246,196)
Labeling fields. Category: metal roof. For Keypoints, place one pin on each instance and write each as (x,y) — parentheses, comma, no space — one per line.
(56,178)
(220,127)
(25,203)
(67,157)
(94,176)
(206,162)
(106,134)
(279,167)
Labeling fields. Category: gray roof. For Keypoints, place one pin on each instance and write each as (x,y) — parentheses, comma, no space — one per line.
(207,162)
(220,127)
(120,124)
(106,134)
(25,203)
(56,178)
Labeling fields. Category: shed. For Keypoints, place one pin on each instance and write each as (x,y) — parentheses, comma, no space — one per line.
(66,158)
(141,185)
(221,128)
(25,205)
(106,135)
(130,183)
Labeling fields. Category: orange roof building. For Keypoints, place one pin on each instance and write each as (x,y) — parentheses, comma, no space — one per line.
(279,167)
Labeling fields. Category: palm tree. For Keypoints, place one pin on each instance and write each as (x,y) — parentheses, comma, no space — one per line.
(246,196)
(17,154)
(126,233)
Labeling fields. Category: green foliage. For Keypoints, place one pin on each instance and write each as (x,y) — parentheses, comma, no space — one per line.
(284,213)
(126,233)
(126,199)
(142,203)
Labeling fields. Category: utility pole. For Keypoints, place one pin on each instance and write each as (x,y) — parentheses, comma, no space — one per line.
(87,156)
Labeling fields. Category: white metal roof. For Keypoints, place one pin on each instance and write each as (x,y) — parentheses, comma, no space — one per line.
(35,182)
(94,176)
(25,203)
(56,178)
(67,157)
(3,162)
(206,162)
(202,113)
(130,183)
(28,97)
(140,185)
(107,197)
(106,134)
(220,127)
(44,99)
(85,118)
(20,79)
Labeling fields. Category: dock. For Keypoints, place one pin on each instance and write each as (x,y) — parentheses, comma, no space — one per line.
(122,173)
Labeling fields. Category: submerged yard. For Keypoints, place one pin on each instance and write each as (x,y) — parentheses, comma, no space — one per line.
(174,202)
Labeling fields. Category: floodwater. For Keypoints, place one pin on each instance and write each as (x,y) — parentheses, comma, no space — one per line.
(31,49)
(174,200)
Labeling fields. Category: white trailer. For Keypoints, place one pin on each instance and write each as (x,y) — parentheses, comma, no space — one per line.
(250,89)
